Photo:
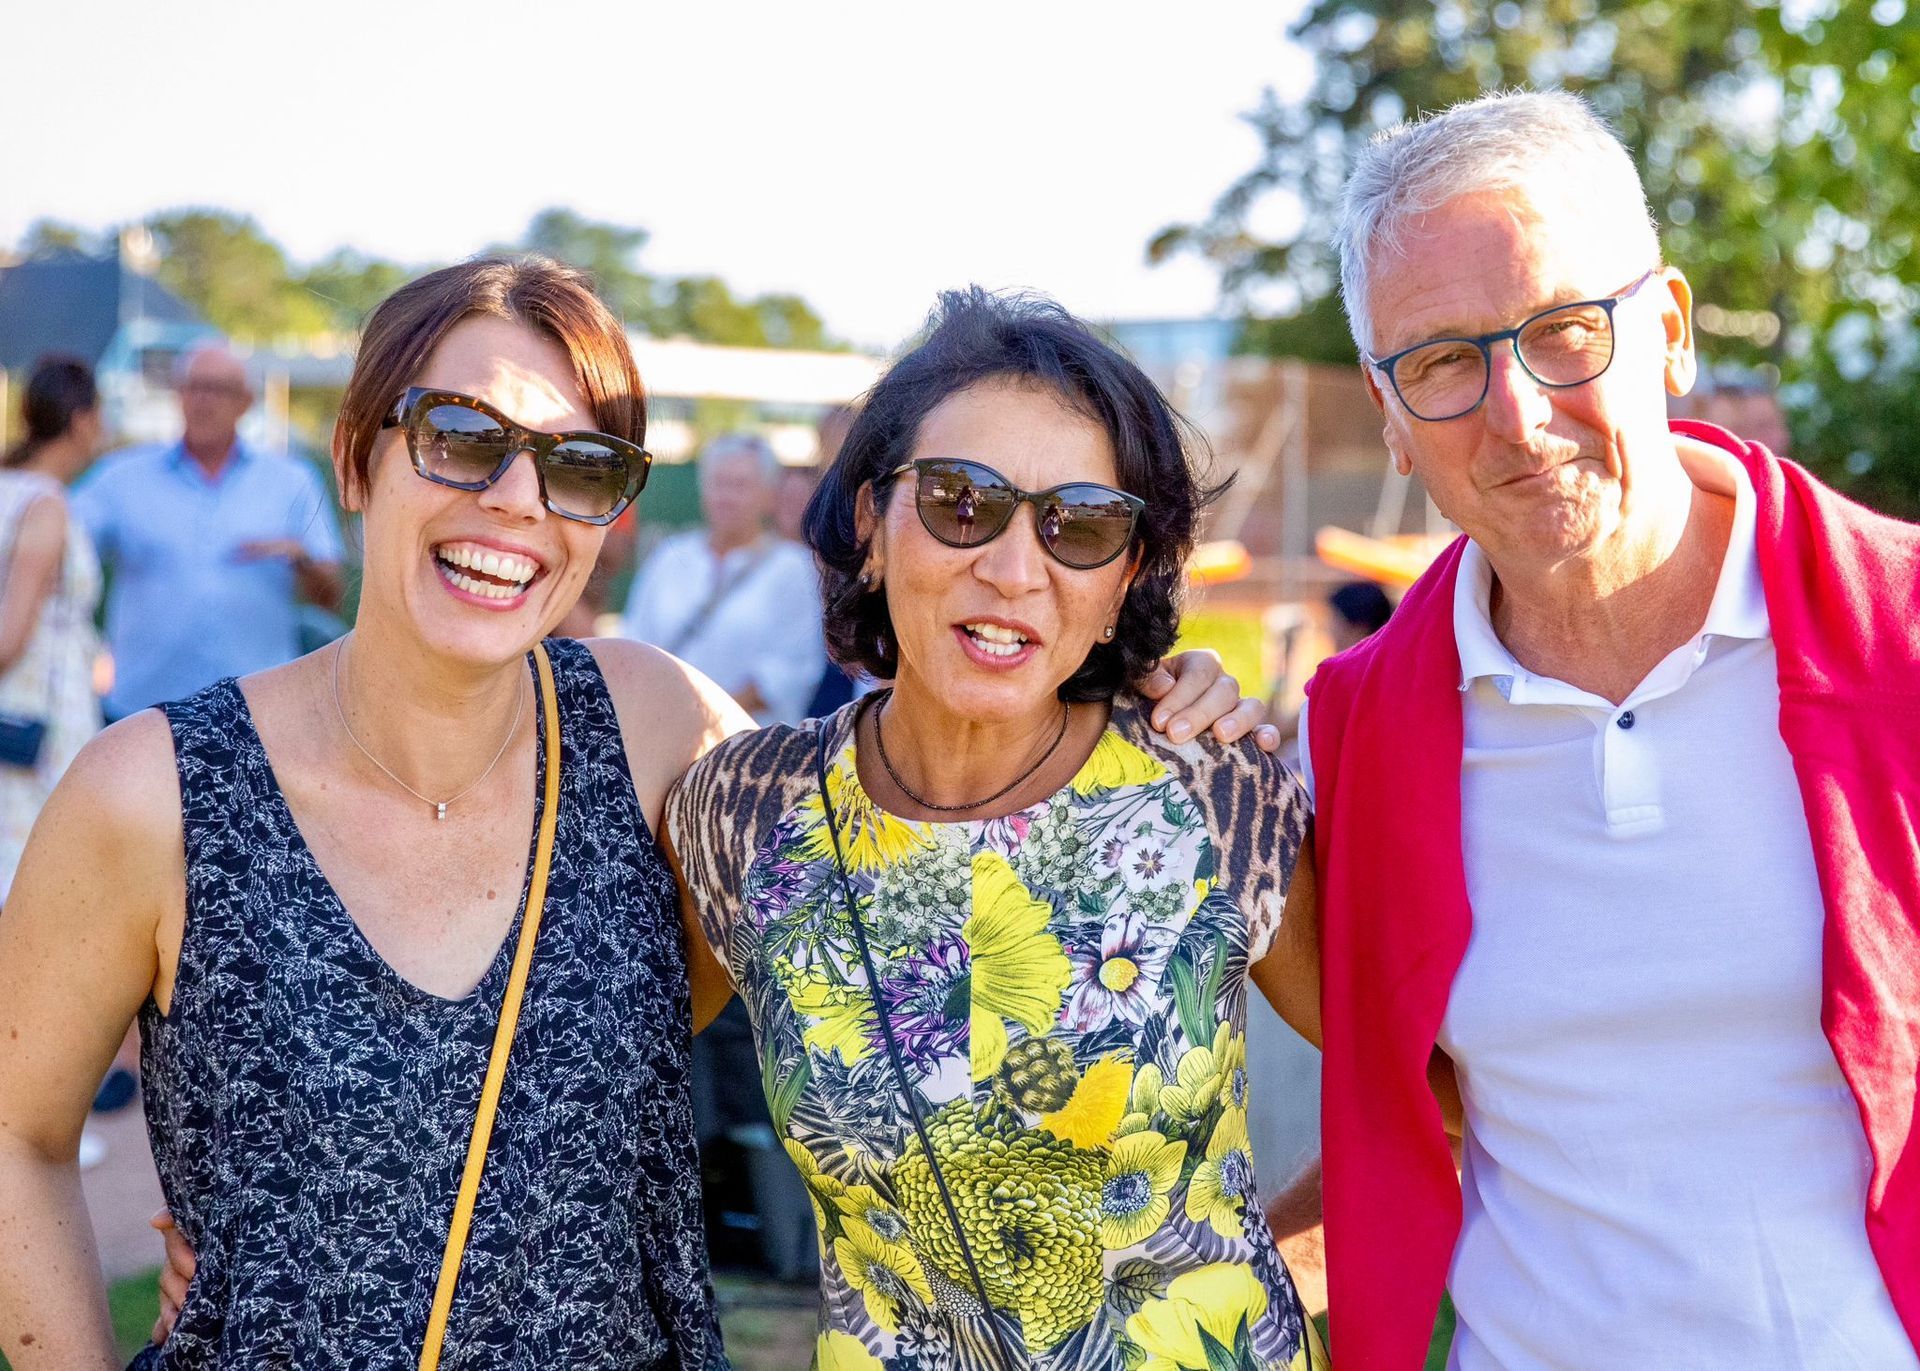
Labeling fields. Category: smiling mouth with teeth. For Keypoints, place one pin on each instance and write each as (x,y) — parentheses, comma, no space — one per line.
(483,571)
(994,640)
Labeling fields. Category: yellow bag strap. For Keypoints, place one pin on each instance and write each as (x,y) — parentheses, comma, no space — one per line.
(503,1035)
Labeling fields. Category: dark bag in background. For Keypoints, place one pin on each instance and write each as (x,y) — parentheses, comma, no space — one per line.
(21,739)
(21,736)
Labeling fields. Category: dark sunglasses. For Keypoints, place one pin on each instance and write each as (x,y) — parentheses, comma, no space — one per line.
(456,440)
(965,504)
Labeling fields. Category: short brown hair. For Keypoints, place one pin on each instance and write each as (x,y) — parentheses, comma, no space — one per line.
(547,296)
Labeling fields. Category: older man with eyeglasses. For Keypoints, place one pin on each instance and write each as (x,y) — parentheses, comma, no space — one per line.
(211,544)
(1615,820)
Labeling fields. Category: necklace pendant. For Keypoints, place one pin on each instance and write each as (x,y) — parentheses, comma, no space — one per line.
(440,811)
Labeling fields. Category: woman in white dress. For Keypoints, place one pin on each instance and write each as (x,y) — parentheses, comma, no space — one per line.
(49,587)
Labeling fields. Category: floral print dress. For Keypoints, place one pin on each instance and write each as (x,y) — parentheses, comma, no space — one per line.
(1066,987)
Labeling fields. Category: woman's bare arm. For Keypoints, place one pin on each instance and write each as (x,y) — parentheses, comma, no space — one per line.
(671,716)
(92,922)
(707,977)
(1289,975)
(28,577)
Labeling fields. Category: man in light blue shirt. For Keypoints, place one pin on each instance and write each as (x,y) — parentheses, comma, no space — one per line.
(210,544)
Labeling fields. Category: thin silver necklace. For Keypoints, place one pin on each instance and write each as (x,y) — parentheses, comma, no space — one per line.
(439,806)
(880,737)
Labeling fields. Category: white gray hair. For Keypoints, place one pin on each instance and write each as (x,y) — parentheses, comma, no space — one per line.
(1505,141)
(751,443)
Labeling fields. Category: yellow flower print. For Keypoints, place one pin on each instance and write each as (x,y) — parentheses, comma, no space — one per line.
(839,1016)
(869,836)
(1115,763)
(863,1204)
(1230,1063)
(1141,1173)
(822,1189)
(1089,1117)
(885,1273)
(1220,1189)
(1195,1088)
(843,1352)
(1020,971)
(1147,1083)
(1216,1300)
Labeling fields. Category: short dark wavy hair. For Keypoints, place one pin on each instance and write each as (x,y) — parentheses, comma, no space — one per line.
(975,336)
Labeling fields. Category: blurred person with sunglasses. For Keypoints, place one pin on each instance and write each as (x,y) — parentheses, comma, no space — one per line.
(1614,817)
(311,887)
(210,545)
(993,931)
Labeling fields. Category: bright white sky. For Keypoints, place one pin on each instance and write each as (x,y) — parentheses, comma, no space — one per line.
(863,154)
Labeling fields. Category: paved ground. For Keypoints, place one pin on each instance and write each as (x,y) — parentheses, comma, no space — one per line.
(122,1194)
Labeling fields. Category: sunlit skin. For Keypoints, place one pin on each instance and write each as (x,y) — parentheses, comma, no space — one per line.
(984,720)
(1577,495)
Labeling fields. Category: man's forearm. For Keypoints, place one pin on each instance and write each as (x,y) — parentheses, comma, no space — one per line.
(1297,1207)
(53,1302)
(1294,1216)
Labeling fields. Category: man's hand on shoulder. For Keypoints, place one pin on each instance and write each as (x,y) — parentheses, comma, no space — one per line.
(1192,691)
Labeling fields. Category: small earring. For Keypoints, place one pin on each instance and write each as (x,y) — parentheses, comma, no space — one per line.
(1106,634)
(866,580)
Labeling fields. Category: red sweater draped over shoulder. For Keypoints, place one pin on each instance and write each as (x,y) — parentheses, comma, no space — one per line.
(1843,593)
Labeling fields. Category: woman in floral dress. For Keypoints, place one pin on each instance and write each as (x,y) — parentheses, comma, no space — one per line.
(993,931)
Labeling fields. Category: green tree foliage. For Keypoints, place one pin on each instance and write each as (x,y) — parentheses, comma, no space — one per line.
(610,253)
(225,266)
(1777,140)
(52,238)
(705,308)
(348,284)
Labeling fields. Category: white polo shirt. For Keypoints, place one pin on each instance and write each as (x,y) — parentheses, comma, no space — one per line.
(1664,1166)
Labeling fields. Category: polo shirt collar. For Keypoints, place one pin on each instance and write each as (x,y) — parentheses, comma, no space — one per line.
(242,454)
(1738,608)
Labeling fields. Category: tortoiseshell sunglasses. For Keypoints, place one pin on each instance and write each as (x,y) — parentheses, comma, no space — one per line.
(456,440)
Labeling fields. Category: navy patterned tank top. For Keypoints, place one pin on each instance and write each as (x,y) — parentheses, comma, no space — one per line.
(310,1108)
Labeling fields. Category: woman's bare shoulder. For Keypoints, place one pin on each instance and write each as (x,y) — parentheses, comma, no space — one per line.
(110,835)
(124,785)
(670,714)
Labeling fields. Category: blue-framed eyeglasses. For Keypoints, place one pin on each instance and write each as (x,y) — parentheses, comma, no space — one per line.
(1568,345)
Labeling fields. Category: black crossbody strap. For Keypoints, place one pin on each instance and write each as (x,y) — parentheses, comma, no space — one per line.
(1007,1359)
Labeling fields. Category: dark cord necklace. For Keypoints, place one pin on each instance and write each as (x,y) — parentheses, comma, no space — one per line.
(880,739)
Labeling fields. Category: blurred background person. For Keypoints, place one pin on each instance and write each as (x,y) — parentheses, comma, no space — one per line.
(836,685)
(739,599)
(49,590)
(211,545)
(1356,610)
(733,598)
(1360,609)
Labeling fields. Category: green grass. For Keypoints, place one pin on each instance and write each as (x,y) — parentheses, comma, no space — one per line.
(134,1304)
(1235,635)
